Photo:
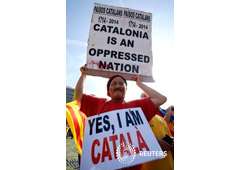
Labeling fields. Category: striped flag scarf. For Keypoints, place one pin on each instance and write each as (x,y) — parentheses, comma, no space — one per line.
(76,121)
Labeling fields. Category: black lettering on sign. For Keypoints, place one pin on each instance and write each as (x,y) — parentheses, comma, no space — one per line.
(118,67)
(119,54)
(98,124)
(127,43)
(106,122)
(112,40)
(128,119)
(91,125)
(121,31)
(119,121)
(134,118)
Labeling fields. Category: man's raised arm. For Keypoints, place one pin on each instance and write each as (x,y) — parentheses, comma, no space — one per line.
(80,85)
(157,98)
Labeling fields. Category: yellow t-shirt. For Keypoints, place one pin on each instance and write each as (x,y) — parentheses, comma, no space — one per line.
(160,128)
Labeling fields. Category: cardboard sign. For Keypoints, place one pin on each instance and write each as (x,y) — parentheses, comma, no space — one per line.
(118,139)
(120,42)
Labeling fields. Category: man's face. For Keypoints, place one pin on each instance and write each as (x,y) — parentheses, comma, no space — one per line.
(117,89)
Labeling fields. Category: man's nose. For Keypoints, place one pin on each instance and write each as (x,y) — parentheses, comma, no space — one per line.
(117,85)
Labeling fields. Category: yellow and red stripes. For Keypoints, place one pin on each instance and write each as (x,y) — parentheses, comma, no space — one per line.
(76,121)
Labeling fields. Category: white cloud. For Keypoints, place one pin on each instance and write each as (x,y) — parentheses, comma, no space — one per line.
(76,42)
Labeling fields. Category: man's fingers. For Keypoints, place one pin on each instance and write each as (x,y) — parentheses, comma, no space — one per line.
(84,68)
(136,78)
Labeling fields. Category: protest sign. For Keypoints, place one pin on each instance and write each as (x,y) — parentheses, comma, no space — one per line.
(120,42)
(118,139)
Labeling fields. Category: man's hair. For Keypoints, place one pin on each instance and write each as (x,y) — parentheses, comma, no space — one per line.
(110,80)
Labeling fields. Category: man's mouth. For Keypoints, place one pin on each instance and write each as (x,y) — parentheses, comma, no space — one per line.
(118,90)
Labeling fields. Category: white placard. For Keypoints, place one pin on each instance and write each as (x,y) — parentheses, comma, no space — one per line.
(120,42)
(118,139)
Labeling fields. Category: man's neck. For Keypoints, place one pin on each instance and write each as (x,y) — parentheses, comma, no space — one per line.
(117,100)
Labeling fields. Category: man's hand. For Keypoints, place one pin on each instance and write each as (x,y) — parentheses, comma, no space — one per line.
(83,69)
(165,146)
(170,110)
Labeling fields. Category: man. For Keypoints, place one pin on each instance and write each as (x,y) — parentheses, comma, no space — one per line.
(116,89)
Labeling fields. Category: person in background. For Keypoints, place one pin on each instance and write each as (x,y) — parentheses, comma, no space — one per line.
(168,117)
(161,131)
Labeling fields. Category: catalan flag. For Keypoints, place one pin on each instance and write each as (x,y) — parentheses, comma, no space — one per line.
(76,121)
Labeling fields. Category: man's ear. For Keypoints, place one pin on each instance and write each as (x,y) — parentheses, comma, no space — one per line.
(108,94)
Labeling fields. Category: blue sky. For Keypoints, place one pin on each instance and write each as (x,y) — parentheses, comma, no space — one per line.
(78,17)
